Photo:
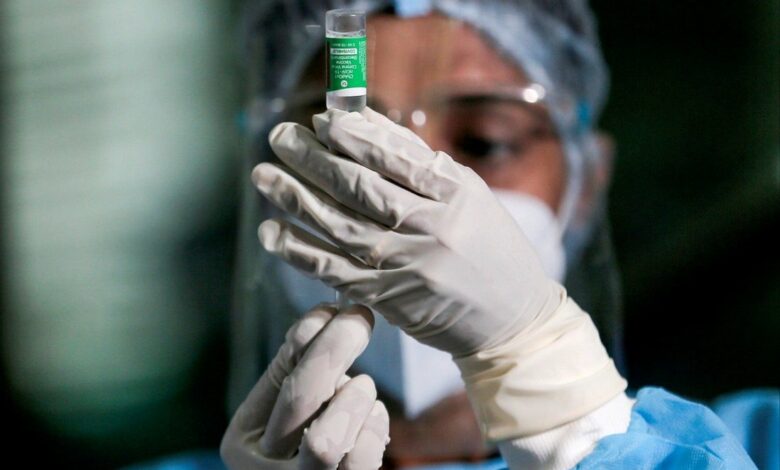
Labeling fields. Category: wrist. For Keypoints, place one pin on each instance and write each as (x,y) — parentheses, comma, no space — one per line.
(565,446)
(554,371)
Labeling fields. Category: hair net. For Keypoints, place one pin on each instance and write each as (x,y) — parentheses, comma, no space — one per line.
(553,41)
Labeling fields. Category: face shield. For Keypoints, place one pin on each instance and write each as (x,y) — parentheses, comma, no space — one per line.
(497,111)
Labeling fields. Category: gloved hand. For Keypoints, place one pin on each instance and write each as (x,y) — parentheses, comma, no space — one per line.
(422,240)
(284,414)
(419,237)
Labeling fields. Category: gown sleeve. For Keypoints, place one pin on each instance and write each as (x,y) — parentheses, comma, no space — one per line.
(668,432)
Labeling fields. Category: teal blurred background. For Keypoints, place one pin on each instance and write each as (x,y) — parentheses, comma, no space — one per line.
(119,156)
(119,168)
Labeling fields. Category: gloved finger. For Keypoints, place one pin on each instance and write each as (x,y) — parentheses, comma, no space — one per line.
(336,429)
(311,255)
(254,411)
(354,279)
(414,166)
(385,122)
(250,418)
(357,187)
(371,441)
(362,237)
(314,380)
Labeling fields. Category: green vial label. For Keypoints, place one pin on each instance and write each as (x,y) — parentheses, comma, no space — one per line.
(346,65)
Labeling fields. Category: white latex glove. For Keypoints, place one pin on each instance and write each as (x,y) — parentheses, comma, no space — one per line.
(432,249)
(422,240)
(283,424)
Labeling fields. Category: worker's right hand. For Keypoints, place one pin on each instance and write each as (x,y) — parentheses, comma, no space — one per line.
(304,412)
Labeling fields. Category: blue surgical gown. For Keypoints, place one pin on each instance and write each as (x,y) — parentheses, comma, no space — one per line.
(666,432)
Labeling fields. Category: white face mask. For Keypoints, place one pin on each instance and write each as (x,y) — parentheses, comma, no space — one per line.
(540,226)
(412,373)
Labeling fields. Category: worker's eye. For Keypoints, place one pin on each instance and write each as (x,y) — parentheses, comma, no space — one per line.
(485,148)
(484,131)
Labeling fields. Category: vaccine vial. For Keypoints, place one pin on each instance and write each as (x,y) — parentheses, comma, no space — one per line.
(345,52)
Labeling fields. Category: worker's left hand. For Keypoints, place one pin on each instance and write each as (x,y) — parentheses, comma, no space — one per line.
(415,235)
(304,413)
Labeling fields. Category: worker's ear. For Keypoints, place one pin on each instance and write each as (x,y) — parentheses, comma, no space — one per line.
(606,159)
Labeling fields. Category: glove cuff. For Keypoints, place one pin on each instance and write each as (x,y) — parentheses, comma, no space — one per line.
(553,372)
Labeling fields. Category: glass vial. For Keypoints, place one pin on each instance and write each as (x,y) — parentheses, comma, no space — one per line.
(345,52)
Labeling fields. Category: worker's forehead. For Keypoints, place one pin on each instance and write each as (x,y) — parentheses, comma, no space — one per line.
(433,50)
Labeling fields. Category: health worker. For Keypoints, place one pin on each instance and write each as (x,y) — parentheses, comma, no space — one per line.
(463,215)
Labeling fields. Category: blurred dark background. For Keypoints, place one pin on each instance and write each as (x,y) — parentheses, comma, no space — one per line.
(118,160)
(695,204)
